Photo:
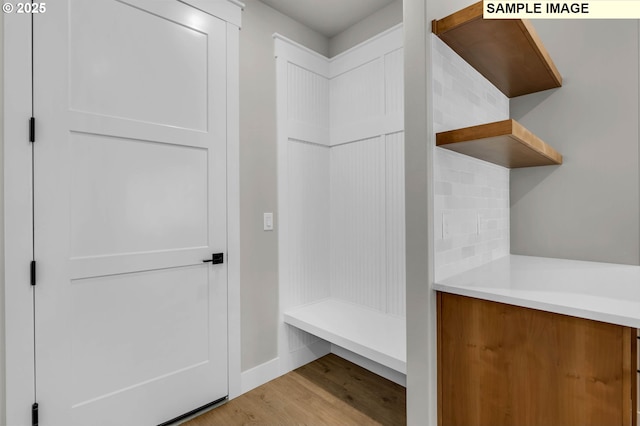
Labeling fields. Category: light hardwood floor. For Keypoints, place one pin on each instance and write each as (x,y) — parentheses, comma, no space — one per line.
(329,391)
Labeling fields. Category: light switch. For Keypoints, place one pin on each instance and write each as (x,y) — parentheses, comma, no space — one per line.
(268,221)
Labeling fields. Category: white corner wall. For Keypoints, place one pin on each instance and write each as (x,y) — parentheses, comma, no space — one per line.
(471,203)
(302,86)
(340,182)
(367,174)
(367,223)
(258,176)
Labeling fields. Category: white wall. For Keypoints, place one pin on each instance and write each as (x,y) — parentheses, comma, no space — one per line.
(589,207)
(421,331)
(373,24)
(258,165)
(471,204)
(341,181)
(258,193)
(303,193)
(367,175)
(367,223)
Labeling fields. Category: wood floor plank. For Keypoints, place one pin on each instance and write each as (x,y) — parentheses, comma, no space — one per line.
(329,391)
(382,399)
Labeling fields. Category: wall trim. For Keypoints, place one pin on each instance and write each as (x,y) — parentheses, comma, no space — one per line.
(374,127)
(272,369)
(276,367)
(386,41)
(370,40)
(392,39)
(375,48)
(259,375)
(300,55)
(367,51)
(233,211)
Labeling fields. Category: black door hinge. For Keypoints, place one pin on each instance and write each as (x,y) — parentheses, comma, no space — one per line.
(32,129)
(34,414)
(33,272)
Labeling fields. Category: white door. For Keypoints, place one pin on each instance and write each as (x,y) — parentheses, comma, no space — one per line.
(130,181)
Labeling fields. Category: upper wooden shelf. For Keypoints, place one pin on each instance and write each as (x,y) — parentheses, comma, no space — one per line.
(508,52)
(506,143)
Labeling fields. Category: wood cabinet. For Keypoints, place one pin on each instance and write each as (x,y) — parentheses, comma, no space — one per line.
(501,364)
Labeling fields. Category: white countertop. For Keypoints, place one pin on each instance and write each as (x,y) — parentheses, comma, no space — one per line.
(599,291)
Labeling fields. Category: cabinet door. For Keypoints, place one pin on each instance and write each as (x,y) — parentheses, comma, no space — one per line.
(504,365)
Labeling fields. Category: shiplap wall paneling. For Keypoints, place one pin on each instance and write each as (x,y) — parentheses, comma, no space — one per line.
(307,183)
(298,340)
(366,89)
(341,181)
(308,223)
(377,46)
(357,102)
(394,87)
(395,224)
(308,105)
(358,266)
(303,192)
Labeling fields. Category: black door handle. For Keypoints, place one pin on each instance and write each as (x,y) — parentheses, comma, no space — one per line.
(215,258)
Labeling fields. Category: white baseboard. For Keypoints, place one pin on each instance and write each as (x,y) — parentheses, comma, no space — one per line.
(259,375)
(374,367)
(276,367)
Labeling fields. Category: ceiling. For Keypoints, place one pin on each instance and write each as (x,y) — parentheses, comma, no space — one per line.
(328,17)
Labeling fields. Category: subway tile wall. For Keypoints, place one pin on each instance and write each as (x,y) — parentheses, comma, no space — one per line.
(471,204)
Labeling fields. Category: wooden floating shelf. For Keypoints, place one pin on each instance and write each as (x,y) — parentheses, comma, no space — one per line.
(506,143)
(507,52)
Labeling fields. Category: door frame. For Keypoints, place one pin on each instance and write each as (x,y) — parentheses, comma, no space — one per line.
(18,231)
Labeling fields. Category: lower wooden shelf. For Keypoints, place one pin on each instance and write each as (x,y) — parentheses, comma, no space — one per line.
(506,143)
(372,334)
(503,365)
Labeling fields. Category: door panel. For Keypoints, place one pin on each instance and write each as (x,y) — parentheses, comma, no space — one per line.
(158,51)
(130,197)
(159,329)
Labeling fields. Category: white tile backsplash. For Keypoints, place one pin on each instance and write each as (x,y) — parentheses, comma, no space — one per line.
(462,96)
(471,205)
